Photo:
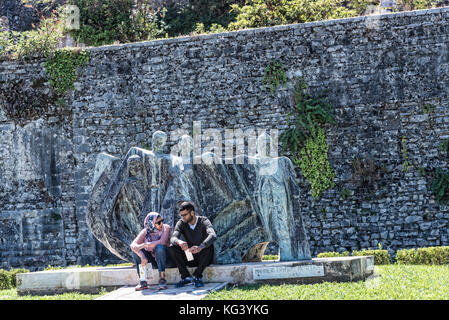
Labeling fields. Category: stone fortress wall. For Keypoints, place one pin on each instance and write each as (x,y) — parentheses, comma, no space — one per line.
(379,72)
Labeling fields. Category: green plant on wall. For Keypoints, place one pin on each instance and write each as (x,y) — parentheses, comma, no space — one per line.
(314,163)
(406,164)
(309,113)
(62,65)
(428,108)
(422,171)
(440,186)
(444,146)
(275,75)
(345,193)
(305,138)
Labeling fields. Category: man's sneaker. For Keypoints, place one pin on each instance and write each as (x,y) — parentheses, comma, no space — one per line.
(162,284)
(142,286)
(198,282)
(183,282)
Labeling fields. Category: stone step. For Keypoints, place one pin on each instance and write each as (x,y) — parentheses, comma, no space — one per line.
(92,279)
(188,292)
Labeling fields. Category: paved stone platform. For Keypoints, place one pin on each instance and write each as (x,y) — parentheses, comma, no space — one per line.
(188,292)
(92,279)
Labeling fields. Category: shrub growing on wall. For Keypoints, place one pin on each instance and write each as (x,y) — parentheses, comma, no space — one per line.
(306,141)
(314,163)
(275,75)
(440,185)
(62,66)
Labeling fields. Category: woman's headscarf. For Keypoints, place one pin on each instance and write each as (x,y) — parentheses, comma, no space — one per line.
(149,222)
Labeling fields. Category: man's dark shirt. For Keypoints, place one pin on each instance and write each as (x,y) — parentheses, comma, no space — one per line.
(203,233)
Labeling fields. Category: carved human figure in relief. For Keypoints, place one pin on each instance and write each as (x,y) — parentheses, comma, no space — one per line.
(273,197)
(186,181)
(129,204)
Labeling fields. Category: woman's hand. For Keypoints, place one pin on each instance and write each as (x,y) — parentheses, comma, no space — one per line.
(136,247)
(150,246)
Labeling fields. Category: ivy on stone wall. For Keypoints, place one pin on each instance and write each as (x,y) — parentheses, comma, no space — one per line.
(444,146)
(62,66)
(309,113)
(275,75)
(440,186)
(25,101)
(306,139)
(314,163)
(406,164)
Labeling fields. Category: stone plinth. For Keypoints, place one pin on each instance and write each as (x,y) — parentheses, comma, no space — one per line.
(92,279)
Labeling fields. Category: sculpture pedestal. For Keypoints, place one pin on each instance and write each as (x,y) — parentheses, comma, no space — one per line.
(92,279)
(316,270)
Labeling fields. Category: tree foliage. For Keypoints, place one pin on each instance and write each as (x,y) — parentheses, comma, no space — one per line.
(260,13)
(26,44)
(107,21)
(213,15)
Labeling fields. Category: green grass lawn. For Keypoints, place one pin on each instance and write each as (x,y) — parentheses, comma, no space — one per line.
(11,294)
(396,282)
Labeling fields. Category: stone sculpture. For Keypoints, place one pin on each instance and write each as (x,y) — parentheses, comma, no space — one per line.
(251,201)
(142,182)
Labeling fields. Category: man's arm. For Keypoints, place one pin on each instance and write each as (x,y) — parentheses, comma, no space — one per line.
(211,235)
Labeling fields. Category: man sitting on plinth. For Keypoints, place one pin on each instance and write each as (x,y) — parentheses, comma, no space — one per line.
(197,250)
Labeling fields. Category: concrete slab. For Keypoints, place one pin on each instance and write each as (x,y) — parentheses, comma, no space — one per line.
(189,292)
(91,280)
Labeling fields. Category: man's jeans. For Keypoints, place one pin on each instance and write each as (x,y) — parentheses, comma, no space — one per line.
(200,260)
(160,262)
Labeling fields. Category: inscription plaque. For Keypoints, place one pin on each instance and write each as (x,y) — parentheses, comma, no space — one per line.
(369,264)
(285,272)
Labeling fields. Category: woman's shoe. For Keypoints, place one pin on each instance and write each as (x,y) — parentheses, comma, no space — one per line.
(162,284)
(142,286)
